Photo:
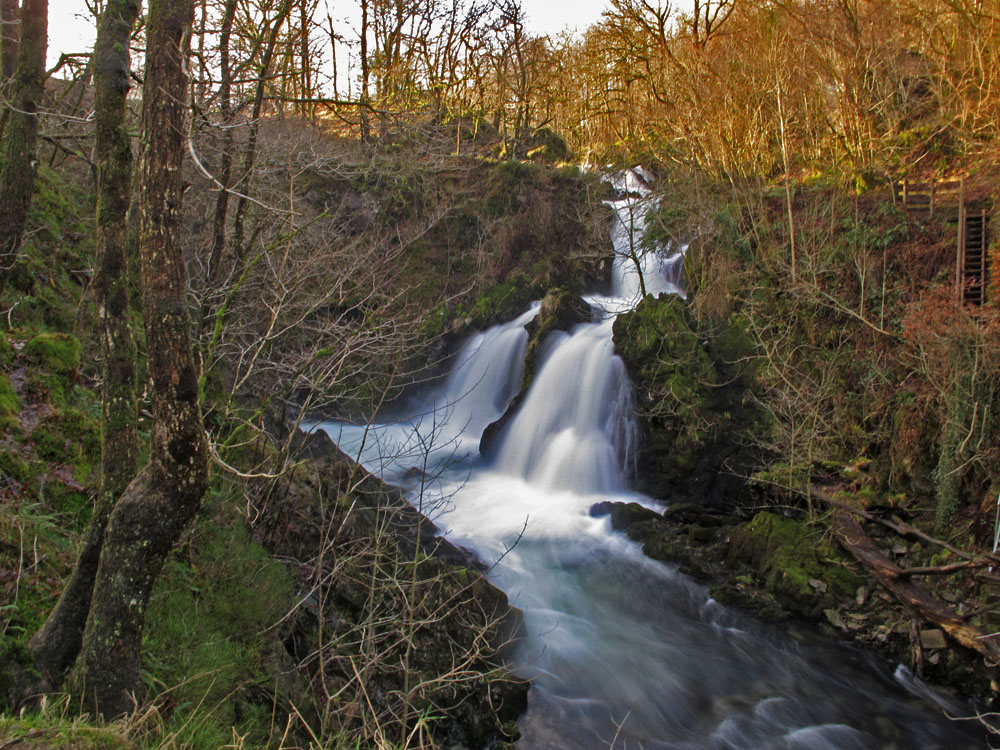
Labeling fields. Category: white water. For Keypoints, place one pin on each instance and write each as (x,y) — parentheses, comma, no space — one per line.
(623,652)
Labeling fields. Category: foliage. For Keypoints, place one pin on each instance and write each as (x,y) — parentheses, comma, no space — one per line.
(210,642)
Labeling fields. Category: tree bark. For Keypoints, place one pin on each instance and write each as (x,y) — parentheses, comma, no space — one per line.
(57,644)
(250,156)
(163,499)
(226,166)
(853,538)
(8,46)
(17,179)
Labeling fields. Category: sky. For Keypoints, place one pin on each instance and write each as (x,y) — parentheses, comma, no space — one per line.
(71,28)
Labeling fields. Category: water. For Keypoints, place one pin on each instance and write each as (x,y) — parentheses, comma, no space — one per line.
(623,652)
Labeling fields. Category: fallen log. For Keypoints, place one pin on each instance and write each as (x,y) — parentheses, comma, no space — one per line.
(900,527)
(853,538)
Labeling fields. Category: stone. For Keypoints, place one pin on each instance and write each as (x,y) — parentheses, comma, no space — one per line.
(932,638)
(834,618)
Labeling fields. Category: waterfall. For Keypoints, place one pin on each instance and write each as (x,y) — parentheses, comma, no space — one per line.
(623,652)
(486,376)
(575,427)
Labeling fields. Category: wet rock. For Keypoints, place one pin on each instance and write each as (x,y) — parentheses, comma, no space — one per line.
(833,617)
(690,386)
(932,638)
(701,534)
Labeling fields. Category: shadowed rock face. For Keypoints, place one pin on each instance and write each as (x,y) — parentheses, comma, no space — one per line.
(560,311)
(379,559)
(690,398)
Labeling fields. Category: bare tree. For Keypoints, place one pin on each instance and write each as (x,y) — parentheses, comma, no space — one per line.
(58,642)
(19,165)
(161,501)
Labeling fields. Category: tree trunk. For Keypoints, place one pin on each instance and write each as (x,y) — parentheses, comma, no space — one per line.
(17,179)
(226,165)
(8,45)
(258,104)
(159,503)
(363,104)
(57,644)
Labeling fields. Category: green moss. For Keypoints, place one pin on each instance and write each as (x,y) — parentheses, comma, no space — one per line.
(6,353)
(15,467)
(500,302)
(209,631)
(10,404)
(671,367)
(508,184)
(58,352)
(788,555)
(561,310)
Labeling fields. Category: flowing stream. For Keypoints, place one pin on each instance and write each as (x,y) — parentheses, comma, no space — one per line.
(623,652)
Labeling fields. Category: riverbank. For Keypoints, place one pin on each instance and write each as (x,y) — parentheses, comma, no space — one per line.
(783,569)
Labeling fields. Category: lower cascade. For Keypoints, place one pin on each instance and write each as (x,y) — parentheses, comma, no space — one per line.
(622,651)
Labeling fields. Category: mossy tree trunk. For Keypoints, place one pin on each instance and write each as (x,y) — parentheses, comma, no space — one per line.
(163,499)
(17,179)
(57,644)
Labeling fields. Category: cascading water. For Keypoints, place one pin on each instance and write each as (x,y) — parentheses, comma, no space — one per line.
(623,652)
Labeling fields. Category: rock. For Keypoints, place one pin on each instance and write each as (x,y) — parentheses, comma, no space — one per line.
(862,596)
(818,585)
(932,638)
(624,515)
(834,618)
(701,534)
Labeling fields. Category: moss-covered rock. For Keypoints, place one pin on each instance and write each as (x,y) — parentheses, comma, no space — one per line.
(499,302)
(58,352)
(384,574)
(796,563)
(561,310)
(690,394)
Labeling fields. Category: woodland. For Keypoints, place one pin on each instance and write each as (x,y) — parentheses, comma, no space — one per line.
(232,217)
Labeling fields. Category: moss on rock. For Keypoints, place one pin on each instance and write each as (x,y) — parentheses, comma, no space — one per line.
(689,392)
(6,353)
(561,310)
(802,569)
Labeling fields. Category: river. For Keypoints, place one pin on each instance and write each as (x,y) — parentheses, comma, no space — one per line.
(623,652)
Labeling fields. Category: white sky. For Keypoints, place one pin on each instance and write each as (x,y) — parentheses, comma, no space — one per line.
(71,28)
